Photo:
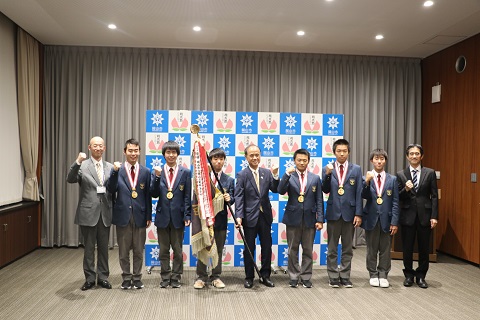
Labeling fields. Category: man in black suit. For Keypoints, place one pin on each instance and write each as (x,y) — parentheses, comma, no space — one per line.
(419,213)
(254,212)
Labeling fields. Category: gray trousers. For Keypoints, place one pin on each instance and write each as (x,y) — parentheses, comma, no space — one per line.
(173,237)
(202,274)
(131,237)
(378,243)
(296,236)
(337,229)
(96,235)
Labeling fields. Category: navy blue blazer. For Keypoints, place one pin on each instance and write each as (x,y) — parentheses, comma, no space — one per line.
(247,198)
(179,208)
(311,209)
(348,205)
(387,212)
(124,204)
(221,219)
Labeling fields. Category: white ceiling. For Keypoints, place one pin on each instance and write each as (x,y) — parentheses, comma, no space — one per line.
(338,26)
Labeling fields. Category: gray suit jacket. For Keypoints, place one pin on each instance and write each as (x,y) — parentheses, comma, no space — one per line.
(90,203)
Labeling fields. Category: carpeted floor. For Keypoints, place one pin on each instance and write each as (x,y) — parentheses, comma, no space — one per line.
(46,285)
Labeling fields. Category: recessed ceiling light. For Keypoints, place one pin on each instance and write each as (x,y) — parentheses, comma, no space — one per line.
(379,37)
(197,28)
(112,26)
(300,33)
(428,3)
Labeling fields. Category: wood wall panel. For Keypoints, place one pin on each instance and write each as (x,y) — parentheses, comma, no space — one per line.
(450,136)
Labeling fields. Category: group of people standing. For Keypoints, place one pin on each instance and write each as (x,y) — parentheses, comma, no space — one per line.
(121,193)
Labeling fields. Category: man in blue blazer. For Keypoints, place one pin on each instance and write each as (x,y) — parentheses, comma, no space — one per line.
(132,212)
(254,213)
(172,185)
(217,157)
(380,218)
(303,215)
(343,180)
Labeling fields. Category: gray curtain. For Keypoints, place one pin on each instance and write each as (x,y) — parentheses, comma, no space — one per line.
(106,91)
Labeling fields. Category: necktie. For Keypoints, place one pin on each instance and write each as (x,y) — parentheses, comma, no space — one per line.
(341,171)
(170,176)
(415,180)
(379,177)
(132,172)
(301,176)
(255,174)
(99,173)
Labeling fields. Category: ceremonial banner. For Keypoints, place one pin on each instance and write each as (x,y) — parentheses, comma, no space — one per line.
(277,134)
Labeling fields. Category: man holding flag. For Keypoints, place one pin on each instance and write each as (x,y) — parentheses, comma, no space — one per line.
(217,159)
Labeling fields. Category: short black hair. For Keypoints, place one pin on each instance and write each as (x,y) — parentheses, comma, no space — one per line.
(341,142)
(378,153)
(414,145)
(133,142)
(250,146)
(217,153)
(170,145)
(302,151)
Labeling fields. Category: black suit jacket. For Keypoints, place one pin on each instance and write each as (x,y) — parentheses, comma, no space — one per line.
(228,184)
(423,202)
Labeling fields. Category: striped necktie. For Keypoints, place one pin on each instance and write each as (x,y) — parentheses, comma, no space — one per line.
(415,179)
(99,173)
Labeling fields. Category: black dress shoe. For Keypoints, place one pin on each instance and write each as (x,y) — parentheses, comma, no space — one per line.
(104,284)
(422,283)
(88,285)
(267,282)
(408,282)
(248,283)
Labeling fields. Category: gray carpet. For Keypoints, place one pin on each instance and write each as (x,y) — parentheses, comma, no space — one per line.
(46,285)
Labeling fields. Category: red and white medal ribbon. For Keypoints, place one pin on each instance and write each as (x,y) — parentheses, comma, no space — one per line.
(167,176)
(303,182)
(341,180)
(133,184)
(375,180)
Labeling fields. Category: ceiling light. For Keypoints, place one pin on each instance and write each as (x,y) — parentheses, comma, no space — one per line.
(379,37)
(428,3)
(197,28)
(300,33)
(112,26)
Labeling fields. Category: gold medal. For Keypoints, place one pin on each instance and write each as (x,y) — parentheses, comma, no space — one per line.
(341,191)
(379,200)
(134,194)
(301,198)
(169,195)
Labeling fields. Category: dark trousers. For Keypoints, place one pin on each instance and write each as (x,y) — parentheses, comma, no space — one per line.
(171,237)
(202,273)
(263,230)
(131,237)
(98,235)
(422,234)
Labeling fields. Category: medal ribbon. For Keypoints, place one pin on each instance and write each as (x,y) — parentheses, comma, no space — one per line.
(303,182)
(170,182)
(133,184)
(341,180)
(379,188)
